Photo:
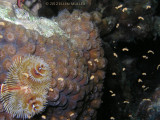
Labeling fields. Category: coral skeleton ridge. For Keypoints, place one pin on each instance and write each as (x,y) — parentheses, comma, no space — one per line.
(50,69)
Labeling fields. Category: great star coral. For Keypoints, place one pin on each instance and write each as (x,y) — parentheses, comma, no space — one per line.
(54,64)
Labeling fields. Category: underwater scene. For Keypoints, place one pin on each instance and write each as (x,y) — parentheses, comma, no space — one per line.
(79,59)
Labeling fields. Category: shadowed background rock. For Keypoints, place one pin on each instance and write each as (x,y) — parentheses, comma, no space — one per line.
(31,48)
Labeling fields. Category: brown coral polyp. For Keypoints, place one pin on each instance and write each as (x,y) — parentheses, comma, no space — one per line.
(94,53)
(10,49)
(2,54)
(53,95)
(6,64)
(9,34)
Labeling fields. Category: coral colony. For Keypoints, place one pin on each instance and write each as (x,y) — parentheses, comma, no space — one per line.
(49,69)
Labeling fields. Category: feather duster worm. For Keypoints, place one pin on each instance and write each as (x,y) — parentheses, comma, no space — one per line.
(24,91)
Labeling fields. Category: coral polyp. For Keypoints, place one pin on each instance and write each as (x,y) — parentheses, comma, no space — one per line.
(24,91)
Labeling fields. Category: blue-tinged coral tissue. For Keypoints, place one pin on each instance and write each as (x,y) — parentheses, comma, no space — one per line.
(49,68)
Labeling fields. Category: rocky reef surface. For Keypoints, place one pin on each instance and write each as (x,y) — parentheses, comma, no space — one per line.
(49,69)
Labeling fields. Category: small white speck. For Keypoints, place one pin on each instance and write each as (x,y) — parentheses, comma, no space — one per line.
(1,36)
(113,95)
(127,102)
(150,51)
(146,99)
(60,79)
(43,117)
(112,118)
(140,18)
(114,74)
(71,114)
(139,27)
(144,74)
(117,25)
(51,89)
(111,91)
(158,66)
(92,77)
(115,54)
(145,57)
(148,7)
(120,6)
(2,23)
(96,60)
(125,49)
(140,80)
(143,86)
(90,63)
(124,9)
(146,88)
